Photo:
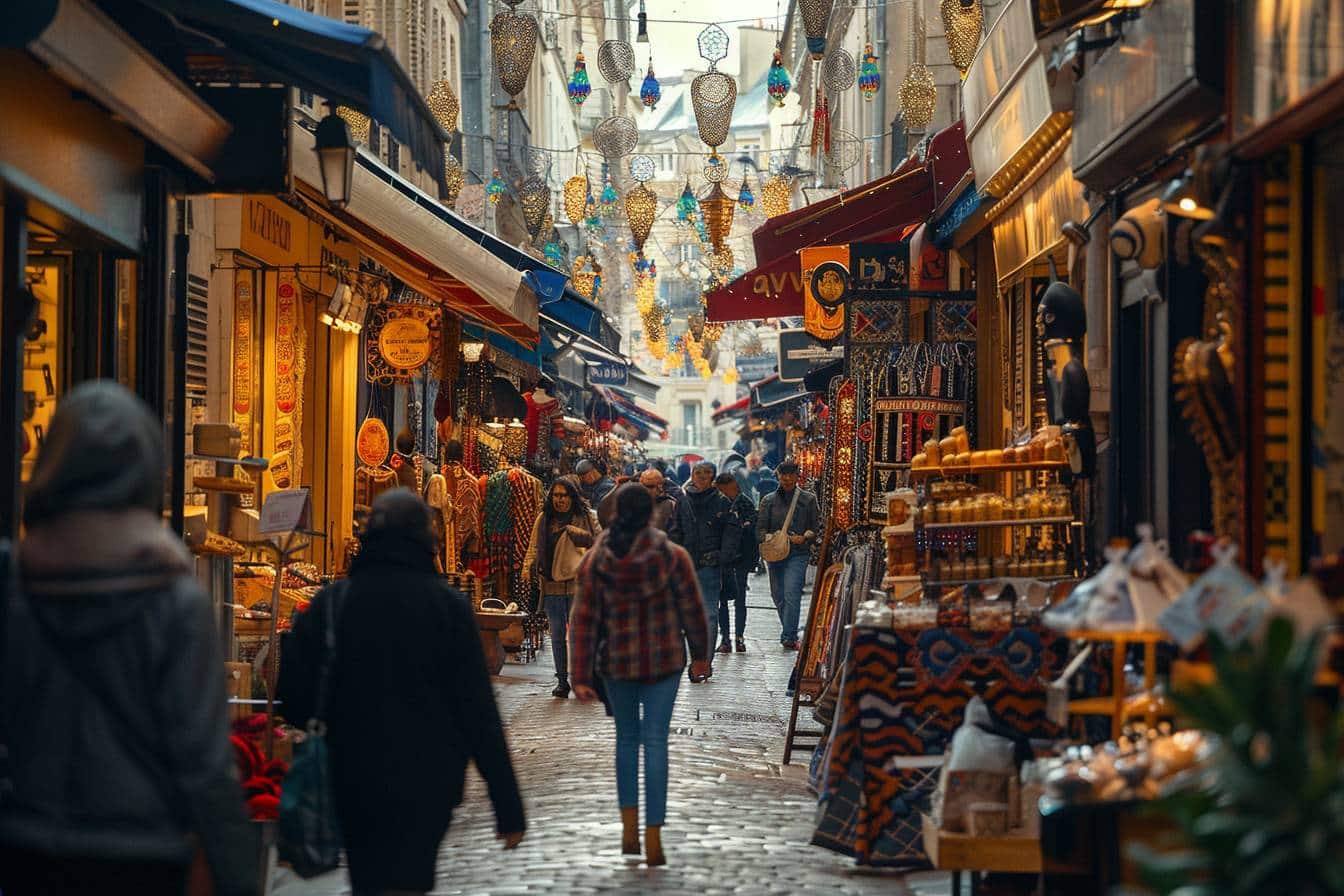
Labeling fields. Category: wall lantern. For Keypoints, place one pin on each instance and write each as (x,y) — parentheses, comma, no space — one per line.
(335,158)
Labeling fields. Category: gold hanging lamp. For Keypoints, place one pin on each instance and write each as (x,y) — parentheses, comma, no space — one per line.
(535,198)
(576,198)
(443,105)
(963,21)
(776,194)
(513,42)
(641,207)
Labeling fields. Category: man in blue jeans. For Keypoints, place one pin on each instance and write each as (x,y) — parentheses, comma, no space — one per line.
(786,576)
(708,536)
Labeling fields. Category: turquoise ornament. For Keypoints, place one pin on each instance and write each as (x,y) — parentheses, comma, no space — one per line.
(777,82)
(870,78)
(579,85)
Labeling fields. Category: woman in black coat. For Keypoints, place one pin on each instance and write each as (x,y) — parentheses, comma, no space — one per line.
(410,703)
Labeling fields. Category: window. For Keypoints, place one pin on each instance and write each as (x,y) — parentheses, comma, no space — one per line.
(690,420)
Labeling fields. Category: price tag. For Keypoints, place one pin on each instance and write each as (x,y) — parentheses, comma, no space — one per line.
(284,511)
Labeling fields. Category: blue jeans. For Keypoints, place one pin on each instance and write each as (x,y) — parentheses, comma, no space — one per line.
(557,613)
(710,584)
(786,590)
(649,731)
(734,591)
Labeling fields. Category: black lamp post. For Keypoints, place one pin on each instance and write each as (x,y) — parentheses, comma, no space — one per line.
(335,158)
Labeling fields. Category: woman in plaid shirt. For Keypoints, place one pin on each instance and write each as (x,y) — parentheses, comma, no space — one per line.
(638,606)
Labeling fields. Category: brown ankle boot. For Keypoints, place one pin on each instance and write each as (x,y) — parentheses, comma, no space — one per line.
(630,831)
(653,846)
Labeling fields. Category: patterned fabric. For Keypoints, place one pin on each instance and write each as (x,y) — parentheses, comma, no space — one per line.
(878,321)
(954,321)
(466,508)
(647,605)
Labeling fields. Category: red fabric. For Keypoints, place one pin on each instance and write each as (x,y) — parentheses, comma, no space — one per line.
(536,413)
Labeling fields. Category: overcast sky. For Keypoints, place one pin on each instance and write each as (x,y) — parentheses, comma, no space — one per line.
(674,45)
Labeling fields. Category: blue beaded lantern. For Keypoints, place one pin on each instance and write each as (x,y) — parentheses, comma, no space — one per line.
(579,85)
(870,78)
(496,189)
(686,205)
(553,253)
(650,92)
(777,82)
(609,199)
(745,198)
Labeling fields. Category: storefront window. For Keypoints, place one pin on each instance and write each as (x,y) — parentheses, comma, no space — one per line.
(1291,46)
(43,345)
(1327,350)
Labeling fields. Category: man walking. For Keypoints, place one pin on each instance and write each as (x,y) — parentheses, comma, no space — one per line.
(666,512)
(596,483)
(742,517)
(708,536)
(786,576)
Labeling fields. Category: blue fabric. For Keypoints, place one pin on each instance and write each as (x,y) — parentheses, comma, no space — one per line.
(710,584)
(734,591)
(558,607)
(648,731)
(786,589)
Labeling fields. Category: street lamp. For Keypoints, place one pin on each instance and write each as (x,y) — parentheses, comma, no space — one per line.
(335,157)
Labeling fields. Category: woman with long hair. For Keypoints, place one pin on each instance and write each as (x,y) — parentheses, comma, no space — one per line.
(564,530)
(637,609)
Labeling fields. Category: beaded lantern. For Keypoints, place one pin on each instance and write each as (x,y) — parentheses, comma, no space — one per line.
(452,179)
(576,195)
(609,199)
(745,198)
(713,94)
(838,70)
(496,188)
(585,278)
(535,198)
(443,105)
(513,43)
(650,92)
(717,208)
(870,78)
(816,19)
(686,206)
(579,85)
(845,150)
(553,253)
(641,169)
(615,136)
(641,207)
(616,61)
(963,22)
(776,194)
(777,82)
(918,96)
(357,121)
(716,169)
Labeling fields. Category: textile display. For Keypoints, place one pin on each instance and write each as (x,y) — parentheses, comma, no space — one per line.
(512,500)
(465,499)
(244,373)
(291,357)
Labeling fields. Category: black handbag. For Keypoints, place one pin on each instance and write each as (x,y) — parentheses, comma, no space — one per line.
(310,832)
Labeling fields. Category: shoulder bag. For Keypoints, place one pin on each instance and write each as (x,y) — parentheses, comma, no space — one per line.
(310,833)
(777,546)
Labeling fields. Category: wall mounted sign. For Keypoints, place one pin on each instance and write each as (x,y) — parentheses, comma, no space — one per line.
(878,268)
(825,275)
(800,353)
(608,373)
(402,341)
(405,342)
(291,352)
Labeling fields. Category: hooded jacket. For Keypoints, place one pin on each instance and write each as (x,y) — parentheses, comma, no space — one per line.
(649,605)
(113,702)
(706,532)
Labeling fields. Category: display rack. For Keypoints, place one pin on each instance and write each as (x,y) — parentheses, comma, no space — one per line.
(1113,705)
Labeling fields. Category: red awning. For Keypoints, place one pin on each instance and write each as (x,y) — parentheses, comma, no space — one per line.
(880,210)
(733,409)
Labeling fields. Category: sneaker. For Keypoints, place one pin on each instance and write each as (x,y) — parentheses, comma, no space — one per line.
(741,645)
(561,689)
(725,647)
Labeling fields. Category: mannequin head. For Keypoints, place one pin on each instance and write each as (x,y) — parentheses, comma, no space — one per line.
(1061,314)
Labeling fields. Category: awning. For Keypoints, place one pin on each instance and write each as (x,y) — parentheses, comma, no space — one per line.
(732,411)
(576,313)
(415,241)
(249,41)
(639,414)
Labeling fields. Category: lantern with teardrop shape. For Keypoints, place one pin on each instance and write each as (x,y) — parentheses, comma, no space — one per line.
(713,94)
(777,82)
(641,207)
(576,198)
(579,85)
(452,179)
(918,96)
(745,198)
(496,188)
(535,198)
(513,43)
(870,78)
(816,19)
(585,278)
(776,194)
(443,105)
(650,92)
(963,22)
(357,121)
(717,208)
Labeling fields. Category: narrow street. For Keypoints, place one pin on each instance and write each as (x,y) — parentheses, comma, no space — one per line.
(738,822)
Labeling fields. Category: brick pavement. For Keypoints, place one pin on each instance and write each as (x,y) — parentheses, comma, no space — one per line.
(738,822)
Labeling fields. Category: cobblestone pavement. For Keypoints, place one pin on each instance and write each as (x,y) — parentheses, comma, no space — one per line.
(738,821)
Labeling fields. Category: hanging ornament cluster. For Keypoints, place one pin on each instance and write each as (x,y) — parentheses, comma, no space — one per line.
(745,198)
(816,19)
(870,78)
(535,198)
(776,194)
(357,121)
(963,22)
(579,85)
(443,105)
(641,207)
(513,42)
(918,93)
(686,206)
(713,94)
(452,179)
(615,136)
(650,92)
(576,196)
(496,188)
(777,82)
(609,199)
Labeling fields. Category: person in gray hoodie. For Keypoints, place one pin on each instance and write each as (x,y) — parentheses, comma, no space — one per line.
(113,705)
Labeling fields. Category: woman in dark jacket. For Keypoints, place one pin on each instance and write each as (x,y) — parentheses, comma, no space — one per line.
(410,702)
(564,529)
(112,703)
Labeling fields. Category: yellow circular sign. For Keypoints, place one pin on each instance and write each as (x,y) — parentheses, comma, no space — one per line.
(404,343)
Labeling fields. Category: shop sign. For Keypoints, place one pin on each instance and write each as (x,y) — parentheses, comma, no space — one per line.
(405,343)
(284,512)
(879,268)
(753,369)
(800,354)
(825,275)
(774,289)
(608,373)
(263,227)
(1146,94)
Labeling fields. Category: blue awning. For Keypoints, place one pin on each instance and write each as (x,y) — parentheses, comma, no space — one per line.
(944,228)
(504,344)
(265,40)
(575,312)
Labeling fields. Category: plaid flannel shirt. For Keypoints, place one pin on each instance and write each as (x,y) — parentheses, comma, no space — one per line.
(643,608)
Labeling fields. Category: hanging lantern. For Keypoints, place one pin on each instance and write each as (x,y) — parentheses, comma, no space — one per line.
(576,196)
(816,19)
(555,256)
(641,169)
(716,169)
(870,79)
(775,195)
(838,70)
(586,279)
(777,82)
(443,105)
(615,136)
(513,42)
(535,198)
(579,85)
(616,61)
(717,209)
(963,21)
(731,376)
(686,206)
(745,198)
(609,198)
(358,122)
(650,92)
(918,97)
(641,206)
(496,189)
(452,179)
(643,36)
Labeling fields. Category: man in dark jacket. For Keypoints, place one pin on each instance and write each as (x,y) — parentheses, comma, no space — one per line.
(787,575)
(398,622)
(666,510)
(707,536)
(113,704)
(597,484)
(742,517)
(670,486)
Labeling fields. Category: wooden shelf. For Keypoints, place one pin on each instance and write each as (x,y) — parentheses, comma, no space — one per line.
(981,469)
(954,583)
(1018,853)
(1121,637)
(995,524)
